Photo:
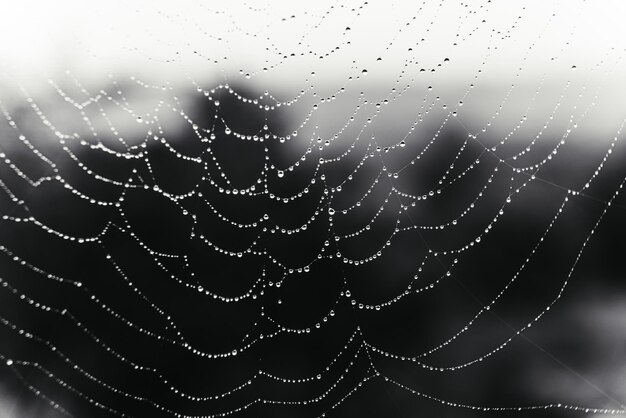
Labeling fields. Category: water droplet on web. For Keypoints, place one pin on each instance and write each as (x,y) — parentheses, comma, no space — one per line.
(280,173)
(331,211)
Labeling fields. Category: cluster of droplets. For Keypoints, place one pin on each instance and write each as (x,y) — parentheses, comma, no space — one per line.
(319,148)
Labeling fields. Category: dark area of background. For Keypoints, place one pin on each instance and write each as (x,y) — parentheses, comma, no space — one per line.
(583,335)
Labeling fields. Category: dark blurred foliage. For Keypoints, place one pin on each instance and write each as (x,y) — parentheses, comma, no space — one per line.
(409,326)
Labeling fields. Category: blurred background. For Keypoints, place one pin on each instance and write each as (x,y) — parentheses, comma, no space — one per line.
(282,210)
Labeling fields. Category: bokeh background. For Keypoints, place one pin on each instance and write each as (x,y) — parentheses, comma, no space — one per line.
(164,106)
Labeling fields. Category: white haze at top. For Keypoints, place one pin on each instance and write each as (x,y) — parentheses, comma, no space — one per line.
(218,42)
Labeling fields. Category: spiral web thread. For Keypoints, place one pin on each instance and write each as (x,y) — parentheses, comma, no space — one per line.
(513,165)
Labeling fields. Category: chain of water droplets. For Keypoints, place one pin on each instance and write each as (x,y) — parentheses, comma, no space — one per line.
(265,225)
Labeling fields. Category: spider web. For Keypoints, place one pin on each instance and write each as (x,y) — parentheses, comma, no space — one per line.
(384,219)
